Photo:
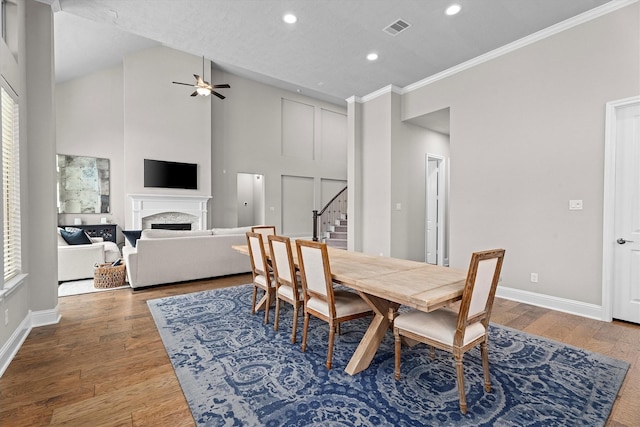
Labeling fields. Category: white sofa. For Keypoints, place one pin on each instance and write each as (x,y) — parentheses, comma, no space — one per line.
(77,262)
(170,256)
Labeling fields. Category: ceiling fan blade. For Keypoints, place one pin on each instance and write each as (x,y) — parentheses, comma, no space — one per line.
(180,83)
(226,86)
(199,80)
(194,93)
(218,95)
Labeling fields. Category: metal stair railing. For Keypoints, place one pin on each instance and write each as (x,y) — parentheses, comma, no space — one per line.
(330,213)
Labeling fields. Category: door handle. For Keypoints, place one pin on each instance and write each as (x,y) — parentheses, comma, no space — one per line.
(622,241)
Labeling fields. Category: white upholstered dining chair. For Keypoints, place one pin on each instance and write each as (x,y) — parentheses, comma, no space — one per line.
(265,230)
(262,277)
(288,287)
(457,332)
(321,300)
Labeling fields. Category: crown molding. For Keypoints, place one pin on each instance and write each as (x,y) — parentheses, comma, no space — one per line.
(382,91)
(525,41)
(518,44)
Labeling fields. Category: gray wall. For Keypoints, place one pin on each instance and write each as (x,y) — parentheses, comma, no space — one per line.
(260,129)
(527,135)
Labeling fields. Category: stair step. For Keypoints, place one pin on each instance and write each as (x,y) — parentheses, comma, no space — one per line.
(339,228)
(341,222)
(338,235)
(337,243)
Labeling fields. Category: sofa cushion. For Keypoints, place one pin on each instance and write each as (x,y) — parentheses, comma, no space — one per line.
(75,237)
(61,241)
(132,236)
(111,251)
(235,230)
(158,233)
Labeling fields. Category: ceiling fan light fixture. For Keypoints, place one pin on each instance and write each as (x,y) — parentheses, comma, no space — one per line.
(203,91)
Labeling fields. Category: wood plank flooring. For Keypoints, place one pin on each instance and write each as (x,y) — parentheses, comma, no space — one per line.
(104,363)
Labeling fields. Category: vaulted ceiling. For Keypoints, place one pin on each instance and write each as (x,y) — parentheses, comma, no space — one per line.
(323,54)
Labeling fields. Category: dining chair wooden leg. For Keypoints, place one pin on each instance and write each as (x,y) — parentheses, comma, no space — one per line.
(397,355)
(294,327)
(266,307)
(332,336)
(305,328)
(460,374)
(277,315)
(432,352)
(253,300)
(485,365)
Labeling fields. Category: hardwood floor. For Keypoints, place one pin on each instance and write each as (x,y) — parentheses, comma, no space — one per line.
(104,363)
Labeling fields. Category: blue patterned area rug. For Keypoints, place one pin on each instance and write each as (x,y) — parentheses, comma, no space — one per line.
(236,371)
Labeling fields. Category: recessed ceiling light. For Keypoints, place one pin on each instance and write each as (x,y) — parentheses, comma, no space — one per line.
(453,9)
(290,18)
(372,56)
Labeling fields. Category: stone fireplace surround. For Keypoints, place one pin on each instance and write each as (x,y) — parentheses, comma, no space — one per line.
(147,209)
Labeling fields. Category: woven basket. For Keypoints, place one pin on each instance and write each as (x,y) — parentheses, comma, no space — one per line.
(108,276)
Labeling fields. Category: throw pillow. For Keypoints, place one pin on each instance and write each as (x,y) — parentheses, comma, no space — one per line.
(132,236)
(75,237)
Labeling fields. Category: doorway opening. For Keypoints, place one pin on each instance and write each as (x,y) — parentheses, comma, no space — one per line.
(250,202)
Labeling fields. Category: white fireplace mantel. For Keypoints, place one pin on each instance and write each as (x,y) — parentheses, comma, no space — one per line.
(144,205)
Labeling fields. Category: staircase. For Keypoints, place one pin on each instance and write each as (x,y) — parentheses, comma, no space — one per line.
(336,237)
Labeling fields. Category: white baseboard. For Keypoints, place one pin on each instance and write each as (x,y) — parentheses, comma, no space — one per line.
(11,347)
(33,319)
(45,317)
(578,308)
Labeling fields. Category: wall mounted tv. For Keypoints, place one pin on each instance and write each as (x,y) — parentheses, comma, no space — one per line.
(162,174)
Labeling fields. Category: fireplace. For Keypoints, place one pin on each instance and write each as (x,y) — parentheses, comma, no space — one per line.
(149,209)
(172,226)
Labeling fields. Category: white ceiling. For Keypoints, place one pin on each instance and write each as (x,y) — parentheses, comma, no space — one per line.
(322,55)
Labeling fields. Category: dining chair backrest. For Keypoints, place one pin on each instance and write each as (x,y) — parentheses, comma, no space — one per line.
(480,287)
(265,230)
(257,255)
(313,259)
(282,260)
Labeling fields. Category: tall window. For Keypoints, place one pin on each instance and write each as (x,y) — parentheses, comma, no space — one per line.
(10,185)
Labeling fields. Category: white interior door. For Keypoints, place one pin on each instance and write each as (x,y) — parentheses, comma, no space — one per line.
(626,252)
(434,227)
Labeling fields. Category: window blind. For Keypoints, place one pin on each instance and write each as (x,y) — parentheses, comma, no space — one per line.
(10,186)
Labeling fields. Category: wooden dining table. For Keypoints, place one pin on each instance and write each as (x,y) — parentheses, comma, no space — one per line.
(385,284)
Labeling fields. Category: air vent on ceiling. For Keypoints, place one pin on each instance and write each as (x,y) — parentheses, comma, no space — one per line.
(397,27)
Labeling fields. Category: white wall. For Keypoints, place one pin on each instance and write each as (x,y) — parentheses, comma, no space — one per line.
(527,135)
(90,122)
(162,121)
(376,176)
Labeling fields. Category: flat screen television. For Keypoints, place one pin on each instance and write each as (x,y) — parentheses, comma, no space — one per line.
(163,174)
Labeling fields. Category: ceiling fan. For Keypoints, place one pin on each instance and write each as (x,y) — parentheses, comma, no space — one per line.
(204,88)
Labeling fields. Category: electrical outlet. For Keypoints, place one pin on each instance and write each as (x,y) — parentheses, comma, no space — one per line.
(534,277)
(6,316)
